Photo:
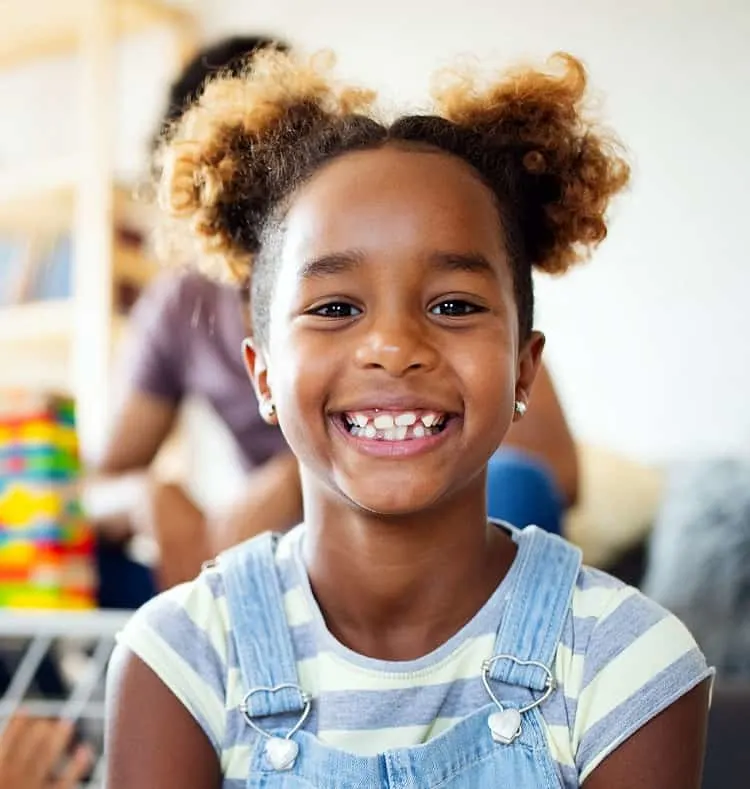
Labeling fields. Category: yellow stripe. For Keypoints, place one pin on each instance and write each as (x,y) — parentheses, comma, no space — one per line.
(624,676)
(568,671)
(558,739)
(296,607)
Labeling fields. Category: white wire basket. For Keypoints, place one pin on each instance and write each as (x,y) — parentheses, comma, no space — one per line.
(54,666)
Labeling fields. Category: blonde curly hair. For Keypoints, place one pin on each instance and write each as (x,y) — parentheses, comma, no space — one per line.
(231,160)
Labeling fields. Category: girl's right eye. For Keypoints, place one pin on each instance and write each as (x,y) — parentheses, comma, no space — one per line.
(336,310)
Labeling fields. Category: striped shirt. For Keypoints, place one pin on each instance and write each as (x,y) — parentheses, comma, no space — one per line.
(621,660)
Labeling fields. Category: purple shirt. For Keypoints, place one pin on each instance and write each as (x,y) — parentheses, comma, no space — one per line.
(187,340)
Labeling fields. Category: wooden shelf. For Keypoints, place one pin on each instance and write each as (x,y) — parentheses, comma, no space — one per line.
(43,323)
(47,344)
(40,200)
(50,27)
(36,322)
(37,345)
(40,196)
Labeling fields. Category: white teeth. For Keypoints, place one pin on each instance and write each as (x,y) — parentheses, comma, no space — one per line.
(394,427)
(383,422)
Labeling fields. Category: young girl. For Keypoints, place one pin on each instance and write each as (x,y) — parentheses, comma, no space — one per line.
(396,638)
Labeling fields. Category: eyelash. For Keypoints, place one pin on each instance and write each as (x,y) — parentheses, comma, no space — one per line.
(472,308)
(326,310)
(319,311)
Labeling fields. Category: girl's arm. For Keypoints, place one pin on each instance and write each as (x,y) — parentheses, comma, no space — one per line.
(152,741)
(666,753)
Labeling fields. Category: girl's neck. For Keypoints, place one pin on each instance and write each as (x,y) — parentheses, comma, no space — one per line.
(397,588)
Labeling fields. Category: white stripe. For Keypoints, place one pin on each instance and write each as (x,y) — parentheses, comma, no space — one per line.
(658,648)
(235,762)
(284,547)
(296,607)
(599,601)
(568,670)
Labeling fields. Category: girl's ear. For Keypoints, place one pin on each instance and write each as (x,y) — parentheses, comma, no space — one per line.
(257,369)
(529,363)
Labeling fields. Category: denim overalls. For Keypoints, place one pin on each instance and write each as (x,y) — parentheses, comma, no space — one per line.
(512,753)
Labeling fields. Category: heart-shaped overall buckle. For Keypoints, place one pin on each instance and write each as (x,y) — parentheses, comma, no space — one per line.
(281,751)
(505,724)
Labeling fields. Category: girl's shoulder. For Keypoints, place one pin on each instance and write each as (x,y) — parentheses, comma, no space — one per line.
(183,635)
(612,626)
(603,604)
(621,660)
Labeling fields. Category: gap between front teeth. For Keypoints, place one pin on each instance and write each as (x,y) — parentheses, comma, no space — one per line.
(389,421)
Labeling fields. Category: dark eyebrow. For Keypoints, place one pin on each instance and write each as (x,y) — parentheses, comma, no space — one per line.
(330,265)
(343,262)
(473,262)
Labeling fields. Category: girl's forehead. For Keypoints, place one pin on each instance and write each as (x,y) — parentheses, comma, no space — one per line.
(395,198)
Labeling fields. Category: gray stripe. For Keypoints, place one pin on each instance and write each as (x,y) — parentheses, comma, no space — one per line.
(656,695)
(304,641)
(288,574)
(215,583)
(634,617)
(366,710)
(233,660)
(239,732)
(577,632)
(173,625)
(568,776)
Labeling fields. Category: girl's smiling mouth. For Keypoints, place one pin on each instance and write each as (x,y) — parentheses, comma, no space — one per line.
(389,432)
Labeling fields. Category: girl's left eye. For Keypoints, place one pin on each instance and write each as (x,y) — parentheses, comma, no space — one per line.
(455,308)
(336,309)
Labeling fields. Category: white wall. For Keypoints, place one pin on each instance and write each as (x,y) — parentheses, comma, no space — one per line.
(647,342)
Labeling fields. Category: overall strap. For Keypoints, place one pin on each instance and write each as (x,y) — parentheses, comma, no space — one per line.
(545,570)
(256,611)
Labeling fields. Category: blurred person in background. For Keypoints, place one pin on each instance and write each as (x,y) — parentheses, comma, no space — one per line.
(699,559)
(35,754)
(188,332)
(186,338)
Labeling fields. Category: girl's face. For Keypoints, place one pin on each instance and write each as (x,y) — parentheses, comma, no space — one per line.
(394,358)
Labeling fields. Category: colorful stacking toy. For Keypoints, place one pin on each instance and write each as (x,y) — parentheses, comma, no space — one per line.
(46,546)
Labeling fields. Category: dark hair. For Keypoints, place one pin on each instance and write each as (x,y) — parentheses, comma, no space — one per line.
(252,139)
(228,57)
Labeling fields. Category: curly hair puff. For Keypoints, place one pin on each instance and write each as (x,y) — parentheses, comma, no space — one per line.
(231,161)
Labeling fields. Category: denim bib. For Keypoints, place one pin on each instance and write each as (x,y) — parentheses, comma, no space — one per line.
(500,744)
